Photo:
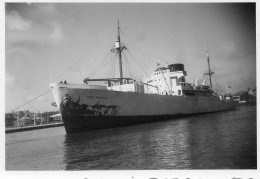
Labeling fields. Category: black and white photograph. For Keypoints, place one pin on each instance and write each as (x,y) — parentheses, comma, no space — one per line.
(163,88)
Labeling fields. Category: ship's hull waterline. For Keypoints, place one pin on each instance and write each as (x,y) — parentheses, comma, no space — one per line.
(86,107)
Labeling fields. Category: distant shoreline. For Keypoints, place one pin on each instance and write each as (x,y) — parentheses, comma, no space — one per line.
(28,128)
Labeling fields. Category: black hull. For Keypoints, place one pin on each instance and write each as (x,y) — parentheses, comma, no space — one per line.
(79,123)
(78,119)
(75,124)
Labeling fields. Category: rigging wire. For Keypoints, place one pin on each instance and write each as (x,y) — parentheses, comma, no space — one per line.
(135,60)
(134,47)
(114,67)
(219,86)
(133,75)
(80,72)
(87,53)
(127,66)
(76,63)
(103,60)
(138,63)
(31,100)
(206,78)
(105,65)
(111,69)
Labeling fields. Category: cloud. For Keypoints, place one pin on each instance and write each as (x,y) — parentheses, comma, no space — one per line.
(46,8)
(9,79)
(57,32)
(15,22)
(15,50)
(38,27)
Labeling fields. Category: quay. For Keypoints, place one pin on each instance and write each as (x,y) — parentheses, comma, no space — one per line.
(28,128)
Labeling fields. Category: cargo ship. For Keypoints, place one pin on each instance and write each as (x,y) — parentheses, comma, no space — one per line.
(113,102)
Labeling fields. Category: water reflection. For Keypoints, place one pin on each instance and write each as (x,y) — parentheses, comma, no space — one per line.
(223,141)
(215,141)
(150,146)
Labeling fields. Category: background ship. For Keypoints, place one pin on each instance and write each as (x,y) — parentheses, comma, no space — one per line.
(114,102)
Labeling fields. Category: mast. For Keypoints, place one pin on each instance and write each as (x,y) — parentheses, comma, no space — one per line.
(119,53)
(118,49)
(210,73)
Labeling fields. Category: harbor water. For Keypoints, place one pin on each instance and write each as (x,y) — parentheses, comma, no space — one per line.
(224,140)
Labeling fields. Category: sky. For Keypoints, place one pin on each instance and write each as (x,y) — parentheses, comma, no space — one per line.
(50,42)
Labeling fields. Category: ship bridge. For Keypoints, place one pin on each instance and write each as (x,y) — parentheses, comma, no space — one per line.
(169,80)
